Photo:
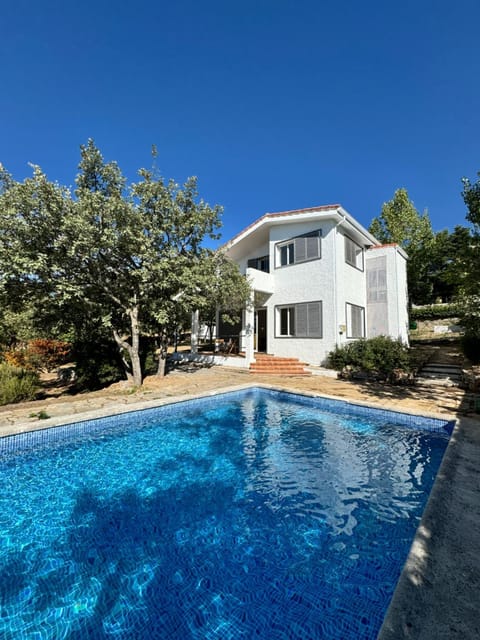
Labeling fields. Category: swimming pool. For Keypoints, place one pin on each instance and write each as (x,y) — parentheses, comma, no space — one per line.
(254,514)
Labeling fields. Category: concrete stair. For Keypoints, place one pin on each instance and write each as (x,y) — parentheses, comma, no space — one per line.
(275,366)
(438,374)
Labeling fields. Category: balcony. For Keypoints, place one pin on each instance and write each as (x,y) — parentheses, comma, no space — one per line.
(260,280)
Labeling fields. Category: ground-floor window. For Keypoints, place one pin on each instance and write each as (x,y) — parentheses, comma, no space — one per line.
(355,321)
(302,320)
(286,316)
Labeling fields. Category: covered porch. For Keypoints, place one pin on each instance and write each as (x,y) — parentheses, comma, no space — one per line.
(251,334)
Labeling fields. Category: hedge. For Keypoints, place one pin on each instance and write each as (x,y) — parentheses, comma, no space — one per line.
(435,312)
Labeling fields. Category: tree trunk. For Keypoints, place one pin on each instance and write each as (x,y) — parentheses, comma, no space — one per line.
(123,346)
(162,355)
(210,333)
(135,352)
(133,369)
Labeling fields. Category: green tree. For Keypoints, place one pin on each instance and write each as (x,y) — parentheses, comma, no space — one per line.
(31,215)
(446,259)
(471,197)
(223,288)
(468,266)
(400,222)
(121,255)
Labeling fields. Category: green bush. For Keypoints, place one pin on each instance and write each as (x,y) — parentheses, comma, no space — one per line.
(17,384)
(434,312)
(381,354)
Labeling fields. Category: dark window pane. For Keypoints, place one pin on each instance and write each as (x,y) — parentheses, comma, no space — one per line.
(284,322)
(291,313)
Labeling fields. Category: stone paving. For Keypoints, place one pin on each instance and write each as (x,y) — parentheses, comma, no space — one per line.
(180,383)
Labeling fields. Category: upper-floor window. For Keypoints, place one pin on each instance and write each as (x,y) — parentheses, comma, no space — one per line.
(262,263)
(300,249)
(353,253)
(355,321)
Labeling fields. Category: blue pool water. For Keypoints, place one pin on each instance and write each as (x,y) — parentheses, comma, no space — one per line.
(256,514)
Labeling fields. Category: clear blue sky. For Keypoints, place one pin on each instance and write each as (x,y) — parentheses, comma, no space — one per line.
(273,104)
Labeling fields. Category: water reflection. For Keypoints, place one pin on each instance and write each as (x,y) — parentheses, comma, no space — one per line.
(303,460)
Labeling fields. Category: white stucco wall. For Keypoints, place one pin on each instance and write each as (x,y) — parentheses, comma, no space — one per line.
(303,282)
(329,279)
(350,284)
(401,290)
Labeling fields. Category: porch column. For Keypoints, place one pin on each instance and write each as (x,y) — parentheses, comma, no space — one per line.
(195,332)
(249,333)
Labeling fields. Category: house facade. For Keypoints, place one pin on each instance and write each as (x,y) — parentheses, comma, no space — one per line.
(319,279)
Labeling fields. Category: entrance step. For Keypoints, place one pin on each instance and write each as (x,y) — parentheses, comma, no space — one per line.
(274,365)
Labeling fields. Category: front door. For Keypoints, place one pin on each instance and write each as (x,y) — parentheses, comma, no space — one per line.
(261,330)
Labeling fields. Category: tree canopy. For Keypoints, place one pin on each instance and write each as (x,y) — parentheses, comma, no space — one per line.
(400,222)
(471,197)
(468,267)
(120,254)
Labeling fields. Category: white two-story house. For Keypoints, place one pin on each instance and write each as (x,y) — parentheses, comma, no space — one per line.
(319,279)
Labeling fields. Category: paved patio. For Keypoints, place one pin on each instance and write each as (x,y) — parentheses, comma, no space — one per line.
(438,593)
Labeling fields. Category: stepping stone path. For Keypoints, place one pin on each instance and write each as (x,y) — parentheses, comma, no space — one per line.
(443,369)
(446,375)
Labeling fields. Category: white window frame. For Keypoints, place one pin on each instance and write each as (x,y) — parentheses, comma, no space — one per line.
(291,249)
(351,328)
(358,262)
(289,312)
(294,311)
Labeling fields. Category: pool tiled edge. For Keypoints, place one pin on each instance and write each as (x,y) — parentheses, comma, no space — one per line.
(117,410)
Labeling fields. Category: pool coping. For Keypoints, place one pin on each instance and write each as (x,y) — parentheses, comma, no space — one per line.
(437,592)
(444,550)
(64,420)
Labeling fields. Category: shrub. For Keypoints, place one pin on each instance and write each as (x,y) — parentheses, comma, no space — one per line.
(39,354)
(435,311)
(381,354)
(17,384)
(47,353)
(15,357)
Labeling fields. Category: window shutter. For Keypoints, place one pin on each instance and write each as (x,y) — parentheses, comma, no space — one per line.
(312,247)
(372,285)
(315,319)
(300,250)
(301,320)
(382,278)
(377,280)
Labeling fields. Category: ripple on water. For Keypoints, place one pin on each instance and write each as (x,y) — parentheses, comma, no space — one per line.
(248,516)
